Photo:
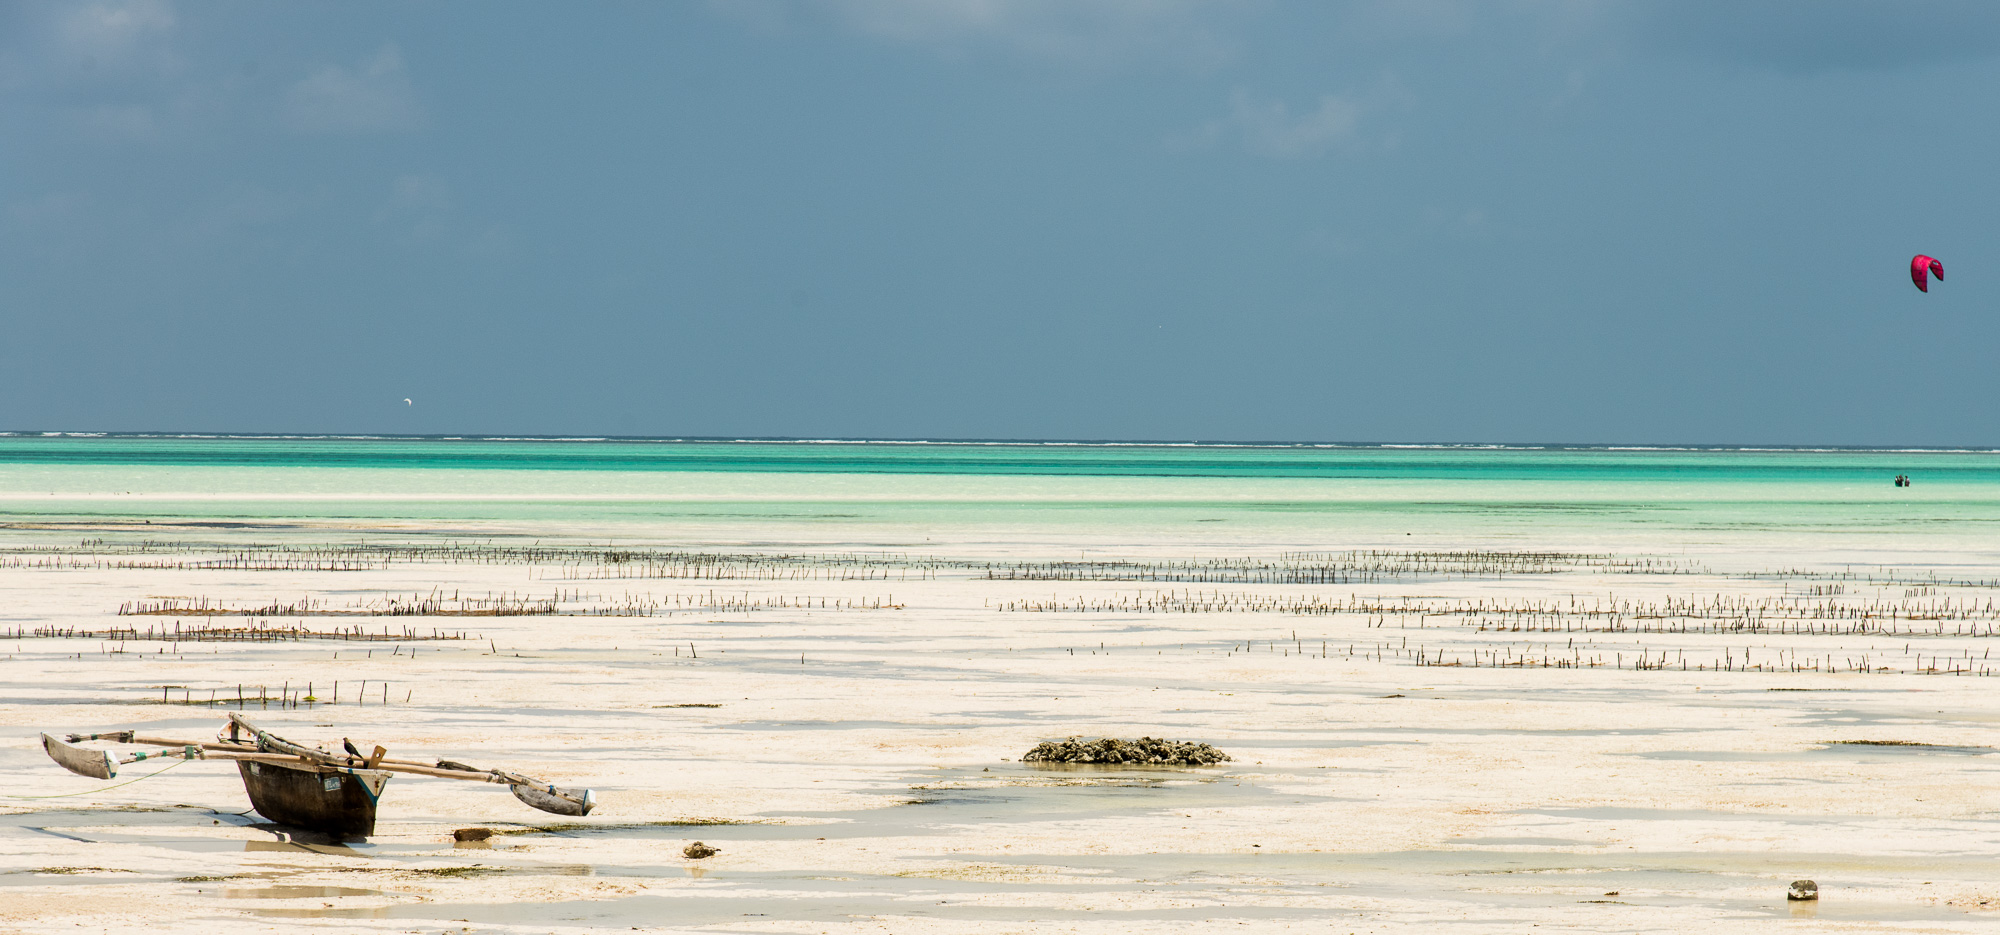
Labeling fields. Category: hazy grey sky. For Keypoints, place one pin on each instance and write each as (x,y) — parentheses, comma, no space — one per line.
(1426,220)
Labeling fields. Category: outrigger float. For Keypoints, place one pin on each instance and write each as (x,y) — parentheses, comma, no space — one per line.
(301,786)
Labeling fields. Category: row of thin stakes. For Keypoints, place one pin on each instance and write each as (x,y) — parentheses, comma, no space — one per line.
(257,632)
(630,605)
(741,571)
(1782,614)
(574,561)
(1351,567)
(417,605)
(1588,655)
(285,697)
(606,562)
(1781,660)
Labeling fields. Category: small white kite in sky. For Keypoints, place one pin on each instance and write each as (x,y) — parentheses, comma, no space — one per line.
(406,401)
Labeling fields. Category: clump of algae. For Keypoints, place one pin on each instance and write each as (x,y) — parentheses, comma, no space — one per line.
(1146,751)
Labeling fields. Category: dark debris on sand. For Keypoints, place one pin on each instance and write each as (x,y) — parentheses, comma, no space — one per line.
(1147,751)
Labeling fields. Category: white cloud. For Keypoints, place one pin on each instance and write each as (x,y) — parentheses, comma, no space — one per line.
(418,209)
(412,192)
(420,212)
(92,47)
(118,122)
(239,208)
(1269,128)
(373,97)
(108,32)
(1077,30)
(1035,22)
(105,70)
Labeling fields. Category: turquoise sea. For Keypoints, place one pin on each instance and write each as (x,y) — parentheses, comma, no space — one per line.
(1834,503)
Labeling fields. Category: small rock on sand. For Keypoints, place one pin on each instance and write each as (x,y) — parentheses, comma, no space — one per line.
(472,834)
(1802,889)
(697,851)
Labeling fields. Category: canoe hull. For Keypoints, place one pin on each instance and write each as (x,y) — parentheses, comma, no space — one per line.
(332,800)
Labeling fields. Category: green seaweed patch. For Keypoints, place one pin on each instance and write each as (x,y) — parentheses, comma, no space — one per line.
(984,873)
(566,827)
(206,879)
(59,871)
(1146,751)
(1910,745)
(453,872)
(687,705)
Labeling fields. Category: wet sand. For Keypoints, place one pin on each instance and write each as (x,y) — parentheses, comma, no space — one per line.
(859,768)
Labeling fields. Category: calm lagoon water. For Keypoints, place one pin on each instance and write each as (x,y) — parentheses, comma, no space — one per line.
(1826,505)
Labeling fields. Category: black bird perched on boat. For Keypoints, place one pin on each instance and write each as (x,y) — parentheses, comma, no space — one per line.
(349,744)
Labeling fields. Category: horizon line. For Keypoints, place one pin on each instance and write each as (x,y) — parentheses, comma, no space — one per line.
(994,442)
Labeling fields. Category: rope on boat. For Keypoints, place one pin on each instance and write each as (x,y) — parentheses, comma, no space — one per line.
(97,790)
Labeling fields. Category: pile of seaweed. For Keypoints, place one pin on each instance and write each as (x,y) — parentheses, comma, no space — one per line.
(1150,751)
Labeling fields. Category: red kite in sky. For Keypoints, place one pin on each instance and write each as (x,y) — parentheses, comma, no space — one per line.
(1920,265)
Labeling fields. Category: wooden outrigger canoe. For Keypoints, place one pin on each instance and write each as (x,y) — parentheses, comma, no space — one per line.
(305,787)
(338,802)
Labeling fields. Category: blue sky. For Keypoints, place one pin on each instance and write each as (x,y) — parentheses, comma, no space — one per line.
(1419,221)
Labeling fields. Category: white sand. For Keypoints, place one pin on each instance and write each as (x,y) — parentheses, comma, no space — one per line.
(880,783)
